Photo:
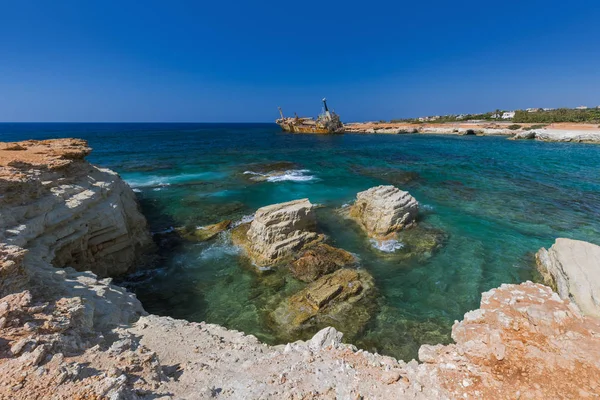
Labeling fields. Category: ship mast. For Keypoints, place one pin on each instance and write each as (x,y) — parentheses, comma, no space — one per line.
(281,113)
(327,114)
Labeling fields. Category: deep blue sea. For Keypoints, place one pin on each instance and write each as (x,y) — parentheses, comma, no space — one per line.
(496,202)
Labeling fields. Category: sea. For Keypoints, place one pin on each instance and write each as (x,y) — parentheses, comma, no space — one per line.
(491,202)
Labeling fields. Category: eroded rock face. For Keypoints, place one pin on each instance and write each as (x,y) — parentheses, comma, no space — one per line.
(572,268)
(332,299)
(86,217)
(524,342)
(319,260)
(383,210)
(278,231)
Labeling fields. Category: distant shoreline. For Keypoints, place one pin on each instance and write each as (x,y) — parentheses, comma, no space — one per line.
(556,132)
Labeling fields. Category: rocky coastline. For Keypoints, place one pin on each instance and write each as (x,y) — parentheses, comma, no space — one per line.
(66,331)
(557,132)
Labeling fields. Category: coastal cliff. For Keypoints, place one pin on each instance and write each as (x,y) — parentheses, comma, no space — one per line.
(71,212)
(65,333)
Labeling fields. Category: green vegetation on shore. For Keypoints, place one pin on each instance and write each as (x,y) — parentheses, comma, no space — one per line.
(591,115)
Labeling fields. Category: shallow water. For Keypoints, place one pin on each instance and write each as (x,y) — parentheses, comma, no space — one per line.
(494,202)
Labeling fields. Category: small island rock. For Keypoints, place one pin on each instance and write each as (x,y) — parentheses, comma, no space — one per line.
(278,231)
(383,210)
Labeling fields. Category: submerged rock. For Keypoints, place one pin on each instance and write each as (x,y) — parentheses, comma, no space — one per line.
(277,232)
(205,233)
(420,243)
(319,260)
(274,171)
(383,210)
(572,268)
(333,300)
(390,175)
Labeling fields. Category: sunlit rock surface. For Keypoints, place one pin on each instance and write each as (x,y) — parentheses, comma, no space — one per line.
(278,231)
(383,210)
(572,267)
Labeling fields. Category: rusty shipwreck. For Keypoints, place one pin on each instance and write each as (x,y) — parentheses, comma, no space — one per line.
(327,122)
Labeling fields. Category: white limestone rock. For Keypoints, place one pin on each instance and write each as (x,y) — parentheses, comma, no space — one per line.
(383,210)
(572,268)
(279,230)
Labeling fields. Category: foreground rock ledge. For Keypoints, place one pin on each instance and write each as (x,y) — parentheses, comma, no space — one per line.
(66,334)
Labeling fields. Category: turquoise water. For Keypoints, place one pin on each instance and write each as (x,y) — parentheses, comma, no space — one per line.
(496,202)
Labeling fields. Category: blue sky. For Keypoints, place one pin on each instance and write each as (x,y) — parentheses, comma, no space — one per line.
(198,61)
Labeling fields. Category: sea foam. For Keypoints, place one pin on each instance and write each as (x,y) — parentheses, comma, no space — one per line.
(387,246)
(294,175)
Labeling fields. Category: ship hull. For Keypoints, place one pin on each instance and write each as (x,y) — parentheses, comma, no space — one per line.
(307,129)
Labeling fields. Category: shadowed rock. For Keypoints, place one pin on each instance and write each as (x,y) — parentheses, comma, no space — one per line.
(320,260)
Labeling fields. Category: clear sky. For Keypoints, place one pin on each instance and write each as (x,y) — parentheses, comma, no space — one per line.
(200,61)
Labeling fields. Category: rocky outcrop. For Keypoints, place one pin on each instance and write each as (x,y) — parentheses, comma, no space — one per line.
(81,216)
(383,210)
(524,135)
(574,136)
(334,299)
(319,260)
(524,342)
(278,231)
(572,268)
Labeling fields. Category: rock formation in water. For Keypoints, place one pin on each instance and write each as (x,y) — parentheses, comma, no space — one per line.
(339,299)
(204,233)
(76,214)
(383,210)
(67,334)
(278,232)
(572,268)
(319,260)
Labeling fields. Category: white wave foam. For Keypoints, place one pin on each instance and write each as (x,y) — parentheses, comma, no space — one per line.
(244,220)
(387,246)
(161,181)
(221,248)
(294,175)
